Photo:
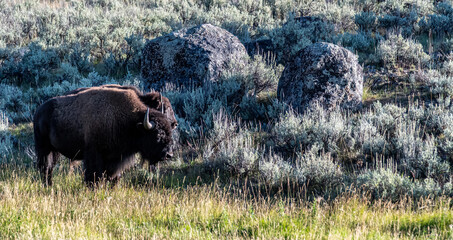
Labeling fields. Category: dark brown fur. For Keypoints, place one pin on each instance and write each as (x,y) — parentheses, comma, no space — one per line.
(152,99)
(102,126)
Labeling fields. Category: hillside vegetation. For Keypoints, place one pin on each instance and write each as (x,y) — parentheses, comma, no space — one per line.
(247,166)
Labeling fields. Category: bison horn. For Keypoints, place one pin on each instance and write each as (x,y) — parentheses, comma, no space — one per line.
(146,123)
(161,103)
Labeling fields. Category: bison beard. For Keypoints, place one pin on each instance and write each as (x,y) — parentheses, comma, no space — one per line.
(103,126)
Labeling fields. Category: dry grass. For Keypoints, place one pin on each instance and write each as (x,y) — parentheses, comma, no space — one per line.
(141,208)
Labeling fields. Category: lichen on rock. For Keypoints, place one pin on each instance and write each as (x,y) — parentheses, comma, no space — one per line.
(325,73)
(191,56)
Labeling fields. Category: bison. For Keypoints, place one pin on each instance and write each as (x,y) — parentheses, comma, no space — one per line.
(104,126)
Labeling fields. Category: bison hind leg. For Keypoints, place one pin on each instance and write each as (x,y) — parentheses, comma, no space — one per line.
(46,163)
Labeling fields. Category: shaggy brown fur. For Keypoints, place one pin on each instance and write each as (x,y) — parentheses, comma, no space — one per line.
(102,126)
(152,99)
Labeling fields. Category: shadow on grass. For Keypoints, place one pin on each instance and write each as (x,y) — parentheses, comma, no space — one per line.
(174,176)
(164,176)
(199,174)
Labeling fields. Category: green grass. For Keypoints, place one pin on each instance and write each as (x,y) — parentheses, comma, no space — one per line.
(143,207)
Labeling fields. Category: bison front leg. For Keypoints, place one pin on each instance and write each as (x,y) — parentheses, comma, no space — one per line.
(93,167)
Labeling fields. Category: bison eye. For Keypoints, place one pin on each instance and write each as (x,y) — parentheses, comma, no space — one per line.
(174,125)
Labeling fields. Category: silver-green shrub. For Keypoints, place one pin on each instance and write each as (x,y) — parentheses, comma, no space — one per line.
(417,156)
(320,170)
(372,139)
(12,103)
(287,132)
(198,106)
(274,170)
(239,154)
(294,36)
(439,121)
(330,130)
(440,23)
(69,73)
(366,21)
(403,23)
(360,41)
(376,127)
(231,147)
(408,135)
(447,66)
(440,86)
(341,15)
(31,66)
(384,182)
(447,46)
(6,143)
(41,94)
(431,188)
(260,75)
(397,51)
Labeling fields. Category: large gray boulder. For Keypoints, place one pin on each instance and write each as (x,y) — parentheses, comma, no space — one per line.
(191,56)
(325,73)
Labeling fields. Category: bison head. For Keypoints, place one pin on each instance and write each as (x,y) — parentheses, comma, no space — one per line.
(155,141)
(156,101)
